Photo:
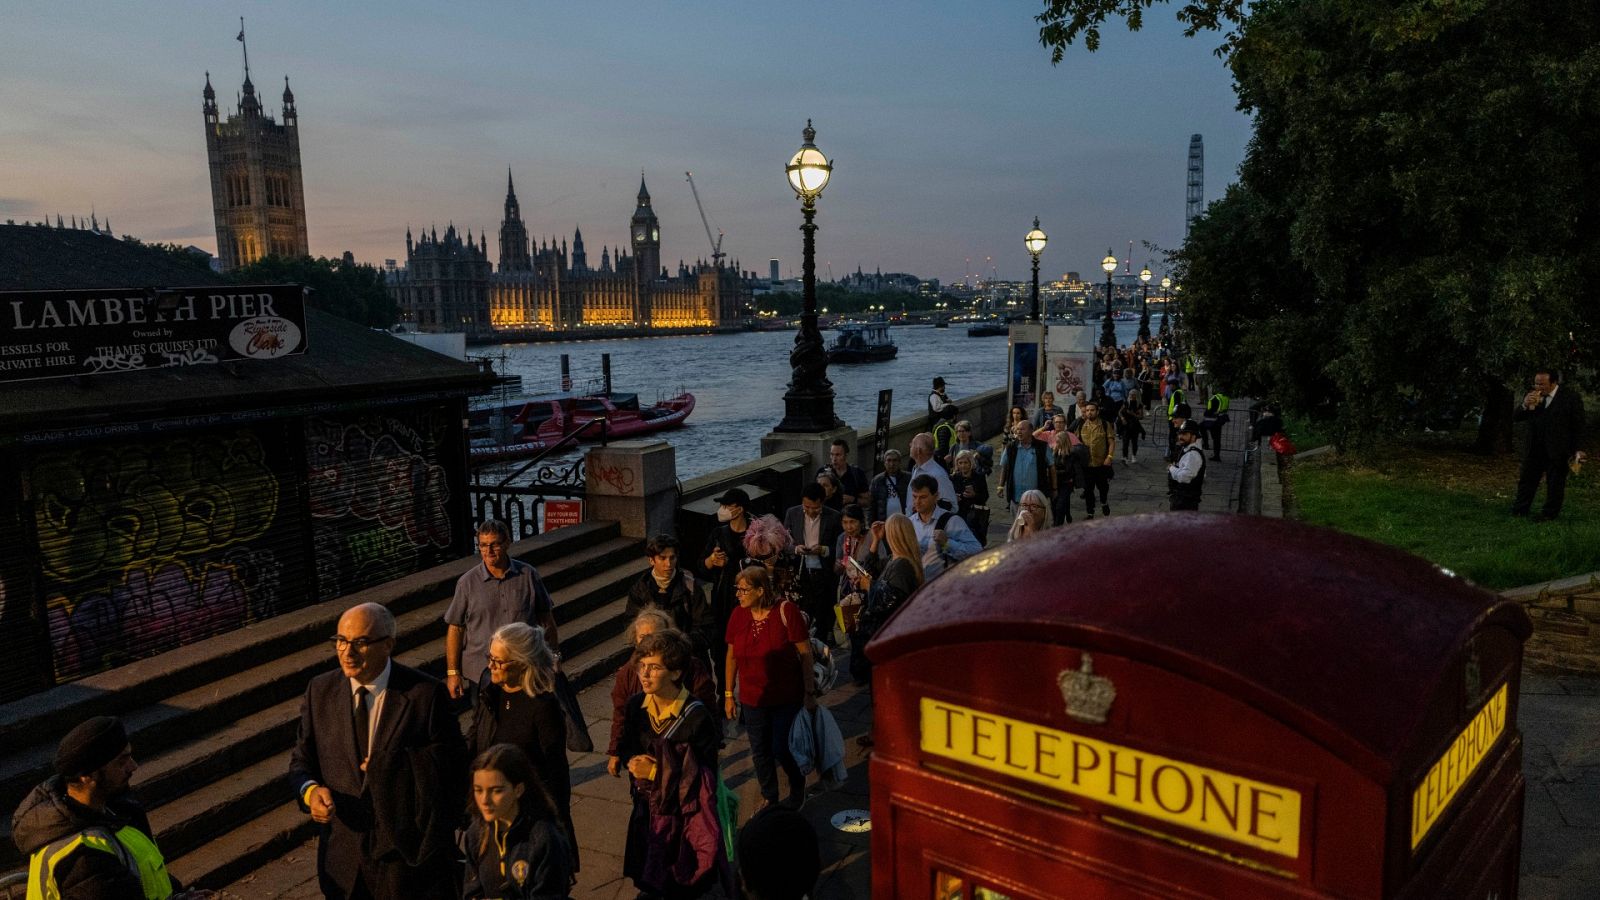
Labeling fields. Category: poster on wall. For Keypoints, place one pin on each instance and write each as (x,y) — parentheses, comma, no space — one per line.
(1022,380)
(1069,362)
(54,334)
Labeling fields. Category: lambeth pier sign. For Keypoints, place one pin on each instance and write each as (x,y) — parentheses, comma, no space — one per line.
(53,334)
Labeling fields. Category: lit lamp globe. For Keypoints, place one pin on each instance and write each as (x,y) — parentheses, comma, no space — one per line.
(1166,282)
(808,169)
(1036,239)
(1145,275)
(1109,264)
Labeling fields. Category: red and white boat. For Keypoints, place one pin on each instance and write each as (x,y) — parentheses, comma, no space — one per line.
(541,422)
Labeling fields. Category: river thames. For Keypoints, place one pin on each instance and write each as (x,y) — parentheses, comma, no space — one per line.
(738,380)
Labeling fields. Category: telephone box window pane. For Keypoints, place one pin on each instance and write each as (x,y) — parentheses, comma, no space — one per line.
(983,893)
(948,887)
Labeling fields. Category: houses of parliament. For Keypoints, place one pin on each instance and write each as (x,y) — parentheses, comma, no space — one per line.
(448,283)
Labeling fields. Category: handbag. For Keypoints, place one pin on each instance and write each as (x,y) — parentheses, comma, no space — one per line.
(978,522)
(1281,445)
(578,740)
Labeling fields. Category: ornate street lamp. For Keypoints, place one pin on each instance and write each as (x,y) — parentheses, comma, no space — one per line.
(1035,242)
(808,403)
(1108,329)
(1144,304)
(1166,283)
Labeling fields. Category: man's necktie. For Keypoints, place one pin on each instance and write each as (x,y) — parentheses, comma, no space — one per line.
(363,721)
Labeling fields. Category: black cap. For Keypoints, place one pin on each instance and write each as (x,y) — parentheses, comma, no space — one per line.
(90,746)
(734,497)
(938,381)
(779,855)
(1189,427)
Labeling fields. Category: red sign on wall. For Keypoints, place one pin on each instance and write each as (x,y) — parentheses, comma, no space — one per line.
(561,513)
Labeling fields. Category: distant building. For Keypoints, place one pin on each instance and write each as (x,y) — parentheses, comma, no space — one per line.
(860,283)
(256,193)
(772,267)
(448,283)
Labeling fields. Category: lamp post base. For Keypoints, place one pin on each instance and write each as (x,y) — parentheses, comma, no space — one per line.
(815,443)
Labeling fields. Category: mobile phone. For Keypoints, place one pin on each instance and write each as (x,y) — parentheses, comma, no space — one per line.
(856,566)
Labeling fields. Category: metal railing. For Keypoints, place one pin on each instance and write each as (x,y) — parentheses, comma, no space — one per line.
(520,505)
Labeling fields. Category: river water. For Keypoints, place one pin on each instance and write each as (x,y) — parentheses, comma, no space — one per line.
(738,380)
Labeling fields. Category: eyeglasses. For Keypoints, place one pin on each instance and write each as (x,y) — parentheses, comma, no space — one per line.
(1034,505)
(359,645)
(501,663)
(491,545)
(746,590)
(652,669)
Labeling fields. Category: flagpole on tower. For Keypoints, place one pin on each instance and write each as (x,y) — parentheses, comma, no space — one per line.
(246,49)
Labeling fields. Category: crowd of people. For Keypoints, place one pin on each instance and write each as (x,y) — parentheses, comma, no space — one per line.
(741,635)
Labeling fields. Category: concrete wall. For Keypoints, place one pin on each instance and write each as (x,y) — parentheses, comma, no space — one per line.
(986,412)
(774,481)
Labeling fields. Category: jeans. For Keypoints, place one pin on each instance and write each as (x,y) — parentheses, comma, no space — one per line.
(768,728)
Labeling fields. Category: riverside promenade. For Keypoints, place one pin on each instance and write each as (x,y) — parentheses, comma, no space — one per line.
(1559,717)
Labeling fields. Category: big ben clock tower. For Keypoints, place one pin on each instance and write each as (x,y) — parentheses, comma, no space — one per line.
(645,232)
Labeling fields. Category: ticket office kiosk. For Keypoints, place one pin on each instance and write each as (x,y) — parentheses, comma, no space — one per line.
(1264,710)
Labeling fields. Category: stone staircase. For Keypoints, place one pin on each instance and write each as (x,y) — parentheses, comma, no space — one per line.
(212,723)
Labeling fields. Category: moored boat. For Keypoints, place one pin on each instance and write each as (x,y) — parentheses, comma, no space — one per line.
(861,342)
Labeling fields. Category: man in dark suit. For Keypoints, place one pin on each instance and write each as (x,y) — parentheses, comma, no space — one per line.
(1555,436)
(380,765)
(816,529)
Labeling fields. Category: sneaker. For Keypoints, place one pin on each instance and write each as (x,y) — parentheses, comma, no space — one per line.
(1134,460)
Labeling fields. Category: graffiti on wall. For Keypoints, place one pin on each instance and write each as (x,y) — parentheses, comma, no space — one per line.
(144,547)
(379,498)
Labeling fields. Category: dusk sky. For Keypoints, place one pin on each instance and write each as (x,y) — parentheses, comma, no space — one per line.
(949,128)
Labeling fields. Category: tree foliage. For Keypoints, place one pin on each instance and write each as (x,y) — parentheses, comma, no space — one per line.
(1064,21)
(1422,198)
(339,286)
(198,260)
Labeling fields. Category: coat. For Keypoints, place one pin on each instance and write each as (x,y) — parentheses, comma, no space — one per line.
(816,744)
(1556,431)
(398,817)
(684,600)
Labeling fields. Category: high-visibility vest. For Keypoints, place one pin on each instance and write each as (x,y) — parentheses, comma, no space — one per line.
(132,847)
(1173,399)
(1218,403)
(1188,365)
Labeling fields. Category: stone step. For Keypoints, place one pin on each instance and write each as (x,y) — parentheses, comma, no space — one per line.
(246,721)
(47,715)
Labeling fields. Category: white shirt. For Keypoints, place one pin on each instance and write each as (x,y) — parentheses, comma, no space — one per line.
(947,491)
(376,691)
(1552,395)
(1188,465)
(813,537)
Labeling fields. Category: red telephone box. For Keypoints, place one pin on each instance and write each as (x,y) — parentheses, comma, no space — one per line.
(1197,706)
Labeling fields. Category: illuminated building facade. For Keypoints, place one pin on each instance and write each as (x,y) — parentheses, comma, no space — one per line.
(448,283)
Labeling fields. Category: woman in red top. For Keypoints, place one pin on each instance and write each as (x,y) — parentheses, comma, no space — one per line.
(769,658)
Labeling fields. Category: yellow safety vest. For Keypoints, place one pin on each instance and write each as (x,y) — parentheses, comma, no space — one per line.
(130,845)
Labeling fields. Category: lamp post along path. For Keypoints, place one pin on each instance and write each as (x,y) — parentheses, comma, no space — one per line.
(1144,305)
(808,403)
(1035,241)
(1166,283)
(1108,328)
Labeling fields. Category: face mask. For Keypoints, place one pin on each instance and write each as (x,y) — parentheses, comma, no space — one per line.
(724,514)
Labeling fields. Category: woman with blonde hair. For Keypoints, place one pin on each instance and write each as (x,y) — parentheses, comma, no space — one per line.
(517,705)
(1033,516)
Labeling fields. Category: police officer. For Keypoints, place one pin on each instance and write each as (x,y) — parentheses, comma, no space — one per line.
(1186,478)
(85,836)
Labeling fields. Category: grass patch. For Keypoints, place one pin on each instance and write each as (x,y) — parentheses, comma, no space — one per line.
(1426,495)
(1305,435)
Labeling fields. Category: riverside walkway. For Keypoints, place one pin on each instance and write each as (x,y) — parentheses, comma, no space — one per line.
(1560,719)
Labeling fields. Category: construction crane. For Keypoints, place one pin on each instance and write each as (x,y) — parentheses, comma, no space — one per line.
(716,242)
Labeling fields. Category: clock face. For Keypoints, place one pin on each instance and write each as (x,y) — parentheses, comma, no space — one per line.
(655,234)
(638,234)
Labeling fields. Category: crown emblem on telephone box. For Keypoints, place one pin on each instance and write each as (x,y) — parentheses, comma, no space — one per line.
(1089,696)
